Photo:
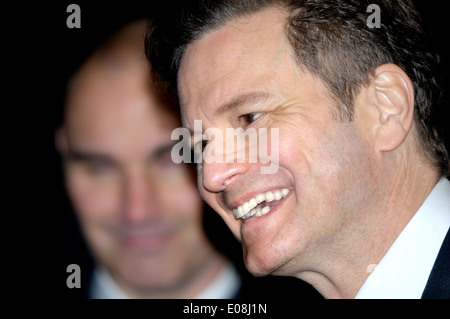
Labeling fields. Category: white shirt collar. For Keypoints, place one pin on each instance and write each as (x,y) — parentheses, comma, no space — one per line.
(224,286)
(404,270)
(102,286)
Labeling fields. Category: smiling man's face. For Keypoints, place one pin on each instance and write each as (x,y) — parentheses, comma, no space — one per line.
(324,172)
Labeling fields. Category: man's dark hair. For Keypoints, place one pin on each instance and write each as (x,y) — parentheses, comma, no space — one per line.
(331,39)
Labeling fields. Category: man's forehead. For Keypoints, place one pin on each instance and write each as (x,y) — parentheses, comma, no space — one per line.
(114,82)
(121,54)
(122,137)
(107,105)
(238,36)
(211,64)
(102,69)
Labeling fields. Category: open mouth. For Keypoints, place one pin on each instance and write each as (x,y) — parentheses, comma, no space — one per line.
(259,205)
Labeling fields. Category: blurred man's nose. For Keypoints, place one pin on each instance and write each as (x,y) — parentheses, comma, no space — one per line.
(140,200)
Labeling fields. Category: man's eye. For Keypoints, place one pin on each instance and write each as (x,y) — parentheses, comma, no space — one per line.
(250,117)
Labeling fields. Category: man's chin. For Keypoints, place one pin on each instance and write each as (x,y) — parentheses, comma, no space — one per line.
(259,265)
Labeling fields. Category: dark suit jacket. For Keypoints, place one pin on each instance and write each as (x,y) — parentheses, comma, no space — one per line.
(438,284)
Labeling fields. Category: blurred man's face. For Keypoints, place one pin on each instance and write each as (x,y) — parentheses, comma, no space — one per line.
(244,75)
(140,212)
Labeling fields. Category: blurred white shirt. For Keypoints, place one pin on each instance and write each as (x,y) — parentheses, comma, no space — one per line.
(224,286)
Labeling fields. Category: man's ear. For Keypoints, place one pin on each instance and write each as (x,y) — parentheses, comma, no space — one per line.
(61,143)
(393,99)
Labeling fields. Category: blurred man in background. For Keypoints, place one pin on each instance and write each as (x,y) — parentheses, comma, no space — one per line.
(140,213)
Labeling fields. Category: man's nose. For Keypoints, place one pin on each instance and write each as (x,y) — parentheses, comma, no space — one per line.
(140,199)
(216,177)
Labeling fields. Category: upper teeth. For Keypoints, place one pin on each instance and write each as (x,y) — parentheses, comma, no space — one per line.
(248,209)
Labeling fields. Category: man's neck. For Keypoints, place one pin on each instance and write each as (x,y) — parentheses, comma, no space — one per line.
(359,248)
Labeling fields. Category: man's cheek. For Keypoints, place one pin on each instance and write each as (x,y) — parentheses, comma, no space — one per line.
(204,194)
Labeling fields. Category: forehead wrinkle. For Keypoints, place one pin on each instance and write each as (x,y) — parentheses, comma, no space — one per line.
(238,100)
(242,99)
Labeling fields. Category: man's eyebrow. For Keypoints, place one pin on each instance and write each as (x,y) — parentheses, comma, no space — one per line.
(246,98)
(87,156)
(239,100)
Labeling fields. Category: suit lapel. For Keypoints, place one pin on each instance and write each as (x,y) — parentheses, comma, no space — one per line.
(438,284)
